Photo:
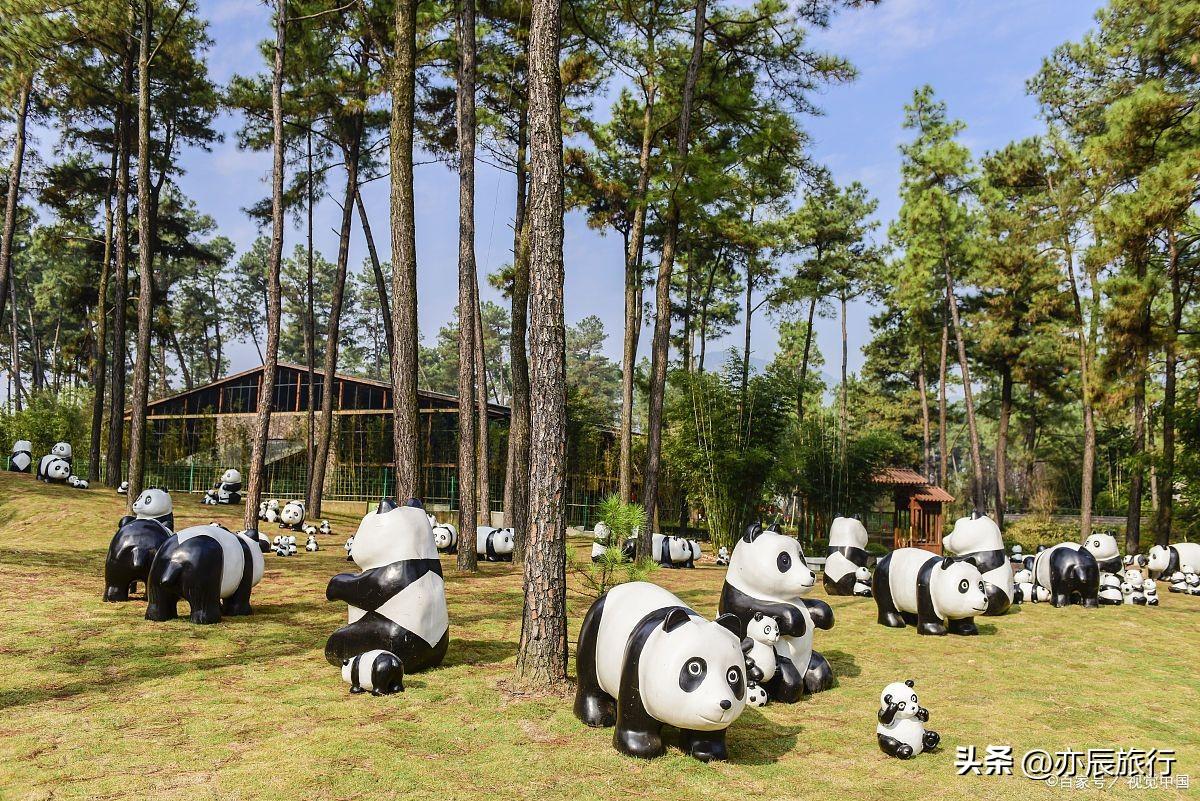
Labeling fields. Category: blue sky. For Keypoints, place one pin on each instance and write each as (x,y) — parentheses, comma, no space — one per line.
(976,54)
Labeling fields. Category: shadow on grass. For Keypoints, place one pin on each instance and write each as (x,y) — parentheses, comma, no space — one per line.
(844,665)
(478,652)
(755,739)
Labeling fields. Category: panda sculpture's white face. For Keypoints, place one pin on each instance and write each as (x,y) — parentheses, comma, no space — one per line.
(863,575)
(772,564)
(1133,576)
(972,535)
(402,533)
(62,450)
(502,542)
(292,514)
(903,696)
(152,503)
(443,537)
(694,676)
(1102,546)
(1159,558)
(231,476)
(764,629)
(58,469)
(1148,586)
(957,590)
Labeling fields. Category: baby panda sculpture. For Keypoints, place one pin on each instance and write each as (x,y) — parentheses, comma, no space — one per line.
(227,490)
(212,568)
(123,488)
(22,456)
(977,540)
(646,660)
(1103,547)
(398,602)
(1069,572)
(494,544)
(1132,594)
(377,672)
(152,504)
(291,516)
(130,555)
(937,594)
(53,470)
(671,551)
(767,574)
(348,546)
(846,561)
(1110,590)
(311,546)
(601,540)
(901,730)
(1025,590)
(445,537)
(723,556)
(78,483)
(759,646)
(324,528)
(1150,590)
(63,451)
(1165,561)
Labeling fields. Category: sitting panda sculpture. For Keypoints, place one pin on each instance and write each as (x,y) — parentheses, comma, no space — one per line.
(398,602)
(901,729)
(937,594)
(22,456)
(311,546)
(212,568)
(152,504)
(1069,572)
(601,540)
(1150,590)
(1165,561)
(227,490)
(847,556)
(646,660)
(53,470)
(494,544)
(723,556)
(377,672)
(762,633)
(1132,594)
(1103,546)
(977,539)
(130,555)
(325,528)
(768,574)
(291,516)
(123,488)
(445,537)
(1109,593)
(77,482)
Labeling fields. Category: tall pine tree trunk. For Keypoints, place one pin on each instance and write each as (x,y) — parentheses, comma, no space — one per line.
(99,365)
(266,390)
(381,287)
(16,165)
(943,456)
(114,460)
(1166,480)
(661,343)
(310,345)
(468,290)
(923,389)
(808,331)
(844,411)
(516,480)
(542,653)
(1141,370)
(405,423)
(482,452)
(1006,397)
(977,487)
(1085,388)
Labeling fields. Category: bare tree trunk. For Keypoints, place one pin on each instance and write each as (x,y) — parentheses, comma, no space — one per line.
(516,480)
(310,323)
(1006,392)
(1166,481)
(542,653)
(14,189)
(812,311)
(923,389)
(977,485)
(114,460)
(662,293)
(16,345)
(99,365)
(482,454)
(844,411)
(405,422)
(1085,389)
(943,456)
(266,390)
(385,307)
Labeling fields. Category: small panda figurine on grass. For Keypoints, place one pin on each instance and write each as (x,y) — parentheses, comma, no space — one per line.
(311,546)
(1025,590)
(77,482)
(1132,594)
(123,488)
(349,546)
(1150,590)
(53,470)
(292,516)
(445,537)
(227,490)
(309,530)
(1110,590)
(22,456)
(325,529)
(377,672)
(723,557)
(901,729)
(494,544)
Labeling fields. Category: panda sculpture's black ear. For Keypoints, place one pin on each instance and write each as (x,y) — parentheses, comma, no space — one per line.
(773,528)
(946,562)
(758,615)
(675,618)
(752,532)
(909,682)
(733,623)
(415,502)
(385,505)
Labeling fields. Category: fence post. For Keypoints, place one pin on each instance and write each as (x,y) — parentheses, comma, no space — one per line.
(191,476)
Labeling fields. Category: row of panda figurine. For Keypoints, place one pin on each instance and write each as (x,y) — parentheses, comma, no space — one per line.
(290,515)
(491,544)
(53,468)
(667,550)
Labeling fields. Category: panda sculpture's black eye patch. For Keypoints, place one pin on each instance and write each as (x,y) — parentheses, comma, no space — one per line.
(784,561)
(963,585)
(736,681)
(692,674)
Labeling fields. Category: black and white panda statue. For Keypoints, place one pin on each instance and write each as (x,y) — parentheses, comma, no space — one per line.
(1025,590)
(937,594)
(311,546)
(445,537)
(271,512)
(377,672)
(1069,572)
(309,530)
(601,540)
(646,660)
(77,482)
(1103,546)
(762,633)
(1132,594)
(1109,593)
(847,555)
(398,602)
(152,504)
(324,528)
(1164,561)
(63,451)
(123,488)
(722,557)
(291,516)
(672,551)
(130,555)
(977,539)
(348,547)
(53,470)
(901,729)
(494,544)
(212,568)
(227,490)
(1150,591)
(22,456)
(768,574)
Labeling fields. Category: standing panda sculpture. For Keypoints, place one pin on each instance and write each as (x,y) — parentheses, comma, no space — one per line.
(1069,572)
(445,537)
(152,504)
(130,556)
(398,602)
(646,660)
(937,594)
(494,544)
(846,557)
(53,470)
(1164,561)
(22,456)
(227,490)
(767,574)
(212,568)
(901,730)
(977,539)
(762,633)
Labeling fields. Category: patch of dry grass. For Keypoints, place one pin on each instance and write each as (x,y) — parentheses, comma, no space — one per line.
(96,702)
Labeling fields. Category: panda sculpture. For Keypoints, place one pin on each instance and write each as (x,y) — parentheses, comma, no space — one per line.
(63,451)
(1132,594)
(445,537)
(377,672)
(152,504)
(1103,547)
(348,546)
(1109,593)
(53,470)
(227,490)
(22,456)
(977,540)
(937,594)
(601,540)
(291,516)
(324,528)
(212,568)
(78,483)
(130,555)
(901,729)
(1150,590)
(846,557)
(311,546)
(767,574)
(1069,572)
(1164,561)
(123,488)
(646,660)
(671,551)
(494,544)
(762,633)
(723,556)
(1025,590)
(398,602)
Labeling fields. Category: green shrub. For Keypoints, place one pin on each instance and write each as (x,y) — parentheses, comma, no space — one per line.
(611,569)
(1030,532)
(46,419)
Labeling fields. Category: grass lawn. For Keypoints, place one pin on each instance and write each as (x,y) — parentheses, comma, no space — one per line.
(96,702)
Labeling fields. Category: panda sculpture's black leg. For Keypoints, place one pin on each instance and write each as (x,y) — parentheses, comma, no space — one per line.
(894,748)
(592,705)
(928,621)
(787,685)
(931,740)
(965,625)
(881,589)
(819,676)
(643,744)
(706,746)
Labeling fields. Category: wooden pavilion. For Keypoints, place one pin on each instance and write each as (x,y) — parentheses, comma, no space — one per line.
(918,515)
